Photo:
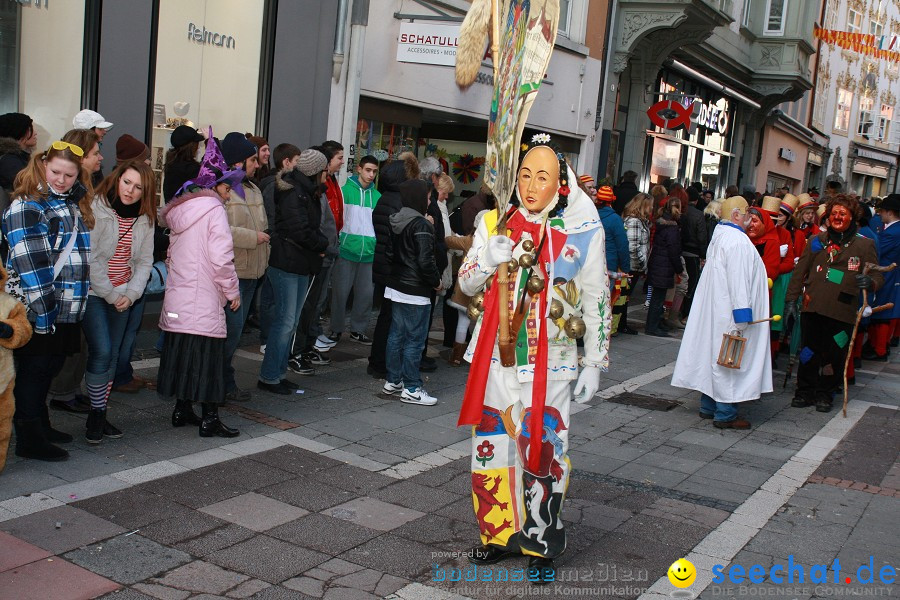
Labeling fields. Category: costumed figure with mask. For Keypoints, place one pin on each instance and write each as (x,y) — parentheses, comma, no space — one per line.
(518,401)
(731,294)
(828,279)
(779,210)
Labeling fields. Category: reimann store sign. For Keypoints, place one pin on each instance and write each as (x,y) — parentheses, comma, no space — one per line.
(428,43)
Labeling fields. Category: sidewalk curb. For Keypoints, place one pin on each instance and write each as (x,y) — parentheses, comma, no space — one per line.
(724,542)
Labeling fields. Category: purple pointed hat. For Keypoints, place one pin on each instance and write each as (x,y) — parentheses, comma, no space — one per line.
(213,169)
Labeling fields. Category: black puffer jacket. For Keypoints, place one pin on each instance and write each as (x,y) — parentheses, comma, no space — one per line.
(665,255)
(693,231)
(297,242)
(12,160)
(176,175)
(413,269)
(392,175)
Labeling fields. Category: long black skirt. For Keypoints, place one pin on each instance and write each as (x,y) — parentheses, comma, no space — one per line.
(192,368)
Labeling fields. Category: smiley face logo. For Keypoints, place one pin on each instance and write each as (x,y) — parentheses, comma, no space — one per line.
(682,573)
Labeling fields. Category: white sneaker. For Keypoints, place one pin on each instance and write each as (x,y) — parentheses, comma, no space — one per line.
(392,389)
(419,396)
(324,343)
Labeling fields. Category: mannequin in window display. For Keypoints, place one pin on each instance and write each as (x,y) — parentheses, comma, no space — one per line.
(554,249)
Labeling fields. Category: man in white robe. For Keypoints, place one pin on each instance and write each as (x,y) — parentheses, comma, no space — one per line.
(733,291)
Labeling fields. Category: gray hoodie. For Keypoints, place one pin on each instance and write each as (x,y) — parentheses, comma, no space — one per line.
(403,217)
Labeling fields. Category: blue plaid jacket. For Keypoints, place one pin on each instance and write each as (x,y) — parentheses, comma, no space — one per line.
(37,230)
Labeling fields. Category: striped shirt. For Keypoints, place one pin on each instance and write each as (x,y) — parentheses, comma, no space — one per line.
(119,269)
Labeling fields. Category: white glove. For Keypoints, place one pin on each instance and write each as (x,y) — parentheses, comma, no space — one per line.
(867,311)
(499,250)
(588,382)
(796,260)
(782,249)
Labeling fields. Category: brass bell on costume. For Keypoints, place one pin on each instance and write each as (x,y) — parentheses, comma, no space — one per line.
(575,327)
(473,313)
(512,265)
(527,245)
(478,301)
(535,285)
(556,309)
(526,261)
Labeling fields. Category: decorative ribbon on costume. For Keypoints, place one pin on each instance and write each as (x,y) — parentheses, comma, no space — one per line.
(539,385)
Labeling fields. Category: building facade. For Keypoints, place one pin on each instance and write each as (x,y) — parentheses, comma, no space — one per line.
(729,63)
(855,98)
(259,66)
(399,91)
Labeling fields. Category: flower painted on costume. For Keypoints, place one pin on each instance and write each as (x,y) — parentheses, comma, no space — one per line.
(485,452)
(564,190)
(540,138)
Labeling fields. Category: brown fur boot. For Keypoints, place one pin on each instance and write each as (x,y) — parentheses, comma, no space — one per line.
(456,355)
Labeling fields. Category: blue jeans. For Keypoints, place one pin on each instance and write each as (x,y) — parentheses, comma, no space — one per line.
(409,330)
(234,321)
(721,411)
(124,372)
(266,308)
(310,328)
(290,292)
(104,329)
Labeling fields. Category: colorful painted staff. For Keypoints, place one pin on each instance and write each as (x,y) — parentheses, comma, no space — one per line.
(522,36)
(865,303)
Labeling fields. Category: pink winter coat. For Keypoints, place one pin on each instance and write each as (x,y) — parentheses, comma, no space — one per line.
(200,260)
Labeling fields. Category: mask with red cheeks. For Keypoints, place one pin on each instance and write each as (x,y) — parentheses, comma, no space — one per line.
(840,218)
(756,227)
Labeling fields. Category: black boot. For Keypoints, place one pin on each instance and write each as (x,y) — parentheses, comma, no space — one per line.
(111,431)
(823,402)
(211,425)
(541,571)
(184,414)
(54,436)
(31,442)
(95,421)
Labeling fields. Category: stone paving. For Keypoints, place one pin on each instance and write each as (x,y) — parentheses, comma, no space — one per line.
(337,492)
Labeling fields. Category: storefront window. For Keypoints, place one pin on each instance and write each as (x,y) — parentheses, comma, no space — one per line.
(665,161)
(713,170)
(703,155)
(207,65)
(384,140)
(49,91)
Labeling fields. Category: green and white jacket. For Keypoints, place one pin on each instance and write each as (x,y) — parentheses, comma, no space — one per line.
(357,239)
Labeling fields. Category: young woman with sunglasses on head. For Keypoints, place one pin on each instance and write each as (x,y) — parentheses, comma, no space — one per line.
(47,229)
(121,259)
(92,159)
(65,389)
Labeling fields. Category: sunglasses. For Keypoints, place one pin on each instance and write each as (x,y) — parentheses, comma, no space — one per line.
(60,145)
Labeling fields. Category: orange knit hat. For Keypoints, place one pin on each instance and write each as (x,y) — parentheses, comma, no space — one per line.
(605,194)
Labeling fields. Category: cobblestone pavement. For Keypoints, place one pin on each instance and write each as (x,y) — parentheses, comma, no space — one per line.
(338,492)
